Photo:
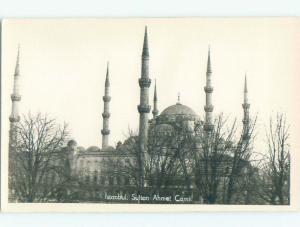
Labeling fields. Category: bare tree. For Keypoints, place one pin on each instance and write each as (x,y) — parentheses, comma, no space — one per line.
(240,165)
(168,159)
(217,166)
(276,168)
(211,160)
(181,160)
(37,167)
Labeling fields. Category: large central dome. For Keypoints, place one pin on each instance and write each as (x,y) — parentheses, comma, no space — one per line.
(179,110)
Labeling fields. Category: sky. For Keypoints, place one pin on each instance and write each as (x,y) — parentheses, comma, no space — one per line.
(63,67)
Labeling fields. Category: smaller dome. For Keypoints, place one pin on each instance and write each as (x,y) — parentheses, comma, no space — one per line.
(72,143)
(81,148)
(93,149)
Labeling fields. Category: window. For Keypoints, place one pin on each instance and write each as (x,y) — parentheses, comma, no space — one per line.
(111,181)
(81,164)
(127,181)
(118,180)
(95,177)
(102,180)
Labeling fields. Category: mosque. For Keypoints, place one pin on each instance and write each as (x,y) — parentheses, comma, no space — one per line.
(92,163)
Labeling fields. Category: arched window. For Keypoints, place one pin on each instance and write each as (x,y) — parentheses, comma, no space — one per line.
(111,180)
(127,162)
(97,164)
(88,167)
(95,177)
(127,182)
(102,180)
(81,164)
(118,180)
(87,179)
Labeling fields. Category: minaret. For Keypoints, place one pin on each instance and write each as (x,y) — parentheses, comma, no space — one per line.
(106,99)
(246,106)
(144,107)
(14,118)
(208,125)
(155,110)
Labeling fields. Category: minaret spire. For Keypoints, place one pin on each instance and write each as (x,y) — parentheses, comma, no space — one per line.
(107,84)
(17,68)
(208,125)
(246,106)
(14,118)
(145,44)
(106,115)
(245,85)
(208,61)
(155,110)
(144,107)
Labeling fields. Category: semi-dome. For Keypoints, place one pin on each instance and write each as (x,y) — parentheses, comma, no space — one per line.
(179,110)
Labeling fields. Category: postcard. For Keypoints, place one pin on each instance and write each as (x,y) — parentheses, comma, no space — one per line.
(150,114)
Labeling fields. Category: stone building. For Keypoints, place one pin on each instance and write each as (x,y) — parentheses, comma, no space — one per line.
(97,168)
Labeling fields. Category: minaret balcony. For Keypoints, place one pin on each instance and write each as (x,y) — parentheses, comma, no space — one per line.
(106,98)
(144,108)
(145,56)
(208,89)
(246,121)
(13,119)
(15,97)
(144,82)
(105,115)
(208,108)
(105,132)
(246,105)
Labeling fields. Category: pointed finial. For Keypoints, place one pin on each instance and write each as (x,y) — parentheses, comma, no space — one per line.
(178,98)
(107,84)
(208,61)
(155,94)
(245,84)
(145,45)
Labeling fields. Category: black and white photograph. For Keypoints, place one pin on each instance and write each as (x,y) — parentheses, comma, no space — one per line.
(180,113)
